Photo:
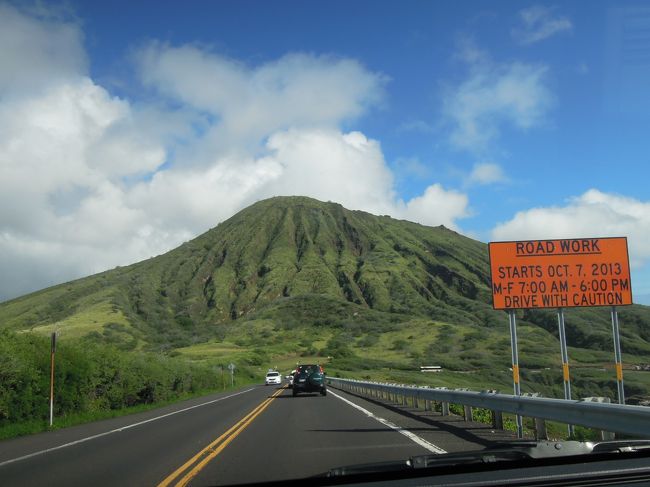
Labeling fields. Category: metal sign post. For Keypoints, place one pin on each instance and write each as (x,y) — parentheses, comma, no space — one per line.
(561,273)
(515,366)
(52,352)
(617,356)
(565,361)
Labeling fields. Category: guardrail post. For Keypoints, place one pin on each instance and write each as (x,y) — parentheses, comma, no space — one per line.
(540,423)
(467,410)
(604,435)
(607,435)
(445,408)
(427,405)
(497,416)
(540,429)
(497,420)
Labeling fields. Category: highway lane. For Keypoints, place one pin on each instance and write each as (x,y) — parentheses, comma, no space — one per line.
(140,455)
(304,436)
(309,434)
(254,436)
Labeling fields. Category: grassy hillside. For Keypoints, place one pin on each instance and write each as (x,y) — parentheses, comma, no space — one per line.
(292,278)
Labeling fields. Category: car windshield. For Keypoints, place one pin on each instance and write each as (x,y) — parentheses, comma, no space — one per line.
(247,241)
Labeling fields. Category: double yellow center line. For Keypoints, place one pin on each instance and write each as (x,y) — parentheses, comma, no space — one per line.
(195,464)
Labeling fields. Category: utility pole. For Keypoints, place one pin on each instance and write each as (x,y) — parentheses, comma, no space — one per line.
(52,352)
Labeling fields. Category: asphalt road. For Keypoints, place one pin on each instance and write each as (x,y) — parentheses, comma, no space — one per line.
(252,435)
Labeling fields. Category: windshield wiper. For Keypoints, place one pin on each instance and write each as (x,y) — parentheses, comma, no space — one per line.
(502,452)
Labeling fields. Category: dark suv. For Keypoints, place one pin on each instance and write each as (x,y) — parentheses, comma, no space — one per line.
(309,378)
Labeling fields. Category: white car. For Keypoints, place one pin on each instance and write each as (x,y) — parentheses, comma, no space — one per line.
(273,378)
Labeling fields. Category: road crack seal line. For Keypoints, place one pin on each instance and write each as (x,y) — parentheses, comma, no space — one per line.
(118,430)
(195,464)
(411,436)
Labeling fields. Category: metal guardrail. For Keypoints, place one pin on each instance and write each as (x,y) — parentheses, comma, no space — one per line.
(632,420)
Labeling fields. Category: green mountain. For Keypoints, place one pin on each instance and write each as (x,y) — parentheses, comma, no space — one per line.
(292,275)
(275,249)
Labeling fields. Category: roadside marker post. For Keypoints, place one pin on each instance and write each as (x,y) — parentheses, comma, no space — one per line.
(515,367)
(231,367)
(565,361)
(52,352)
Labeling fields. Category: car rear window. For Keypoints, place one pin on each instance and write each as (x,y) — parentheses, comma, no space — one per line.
(309,369)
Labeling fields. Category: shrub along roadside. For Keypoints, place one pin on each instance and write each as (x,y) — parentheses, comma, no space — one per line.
(92,381)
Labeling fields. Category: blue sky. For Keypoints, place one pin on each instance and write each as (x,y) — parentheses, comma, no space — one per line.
(502,120)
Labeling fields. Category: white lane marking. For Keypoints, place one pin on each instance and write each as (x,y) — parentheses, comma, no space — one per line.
(412,436)
(117,430)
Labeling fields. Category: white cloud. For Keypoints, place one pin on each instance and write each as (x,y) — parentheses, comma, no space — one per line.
(62,199)
(539,23)
(592,214)
(436,206)
(495,95)
(66,146)
(350,169)
(325,164)
(72,138)
(89,181)
(486,173)
(36,54)
(347,168)
(251,103)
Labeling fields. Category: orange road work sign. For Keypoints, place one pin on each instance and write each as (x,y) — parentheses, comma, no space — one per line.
(560,273)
